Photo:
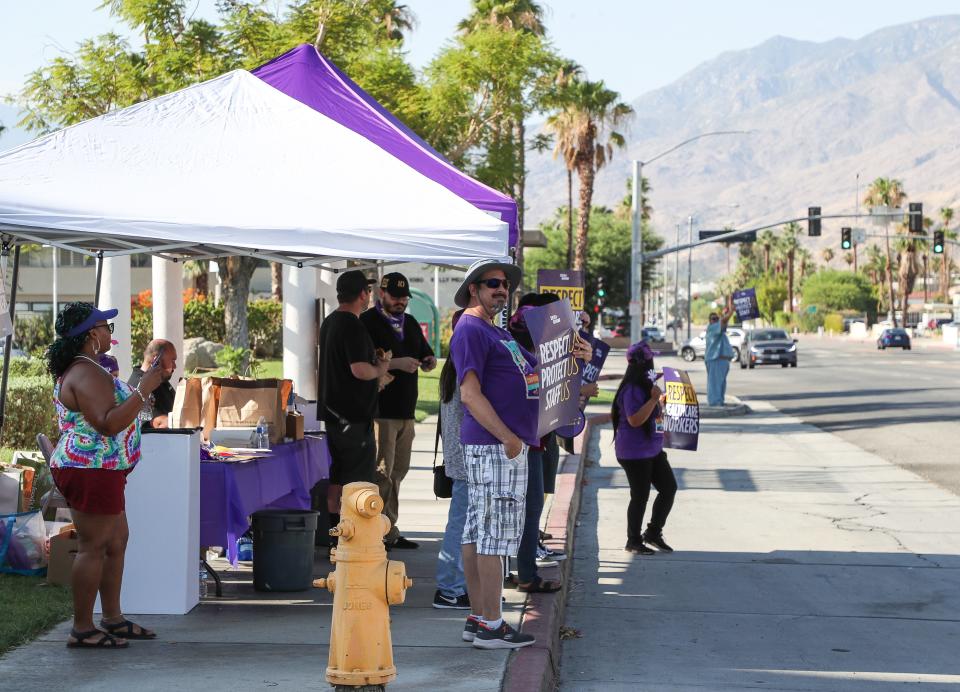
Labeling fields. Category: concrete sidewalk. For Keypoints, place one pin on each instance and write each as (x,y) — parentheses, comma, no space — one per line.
(253,641)
(802,563)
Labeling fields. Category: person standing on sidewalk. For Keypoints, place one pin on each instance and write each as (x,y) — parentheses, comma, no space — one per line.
(717,356)
(499,387)
(392,329)
(451,582)
(637,415)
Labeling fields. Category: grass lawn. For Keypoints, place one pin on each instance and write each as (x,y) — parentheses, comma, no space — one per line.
(30,607)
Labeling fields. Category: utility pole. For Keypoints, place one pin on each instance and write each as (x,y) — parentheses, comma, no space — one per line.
(676,288)
(689,271)
(636,259)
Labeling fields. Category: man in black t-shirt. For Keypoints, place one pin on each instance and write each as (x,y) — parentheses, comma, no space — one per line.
(393,330)
(348,373)
(162,397)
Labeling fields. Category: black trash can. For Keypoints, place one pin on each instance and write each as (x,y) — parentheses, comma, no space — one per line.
(283,549)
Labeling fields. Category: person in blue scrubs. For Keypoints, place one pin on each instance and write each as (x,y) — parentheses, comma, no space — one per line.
(718,354)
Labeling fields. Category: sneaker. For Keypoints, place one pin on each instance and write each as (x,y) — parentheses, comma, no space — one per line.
(548,558)
(404,544)
(451,602)
(504,637)
(470,628)
(638,548)
(657,542)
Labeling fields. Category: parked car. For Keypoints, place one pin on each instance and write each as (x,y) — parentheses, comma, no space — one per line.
(651,334)
(893,338)
(768,347)
(695,348)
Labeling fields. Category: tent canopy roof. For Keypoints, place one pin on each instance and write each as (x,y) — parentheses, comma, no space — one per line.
(234,166)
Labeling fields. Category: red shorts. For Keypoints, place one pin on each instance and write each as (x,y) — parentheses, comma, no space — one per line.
(93,491)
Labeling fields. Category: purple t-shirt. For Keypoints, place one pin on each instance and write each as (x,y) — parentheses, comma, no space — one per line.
(637,443)
(508,378)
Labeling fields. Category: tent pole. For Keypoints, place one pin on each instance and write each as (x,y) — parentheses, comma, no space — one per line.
(96,293)
(8,343)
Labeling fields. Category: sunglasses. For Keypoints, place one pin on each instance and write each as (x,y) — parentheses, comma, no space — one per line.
(494,284)
(108,325)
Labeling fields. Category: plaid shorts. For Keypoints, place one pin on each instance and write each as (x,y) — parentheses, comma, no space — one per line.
(496,488)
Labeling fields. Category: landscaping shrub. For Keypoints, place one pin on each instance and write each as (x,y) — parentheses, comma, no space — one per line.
(833,323)
(808,321)
(33,332)
(29,411)
(265,323)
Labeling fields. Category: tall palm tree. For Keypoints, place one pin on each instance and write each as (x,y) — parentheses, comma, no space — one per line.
(789,245)
(946,216)
(827,254)
(887,192)
(766,240)
(875,267)
(396,20)
(848,258)
(512,15)
(593,111)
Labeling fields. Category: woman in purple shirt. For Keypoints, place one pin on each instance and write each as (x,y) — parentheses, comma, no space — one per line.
(637,416)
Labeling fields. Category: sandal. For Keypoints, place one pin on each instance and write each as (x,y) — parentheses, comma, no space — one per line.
(106,641)
(540,585)
(125,630)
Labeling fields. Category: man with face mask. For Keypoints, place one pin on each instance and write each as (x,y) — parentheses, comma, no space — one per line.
(393,330)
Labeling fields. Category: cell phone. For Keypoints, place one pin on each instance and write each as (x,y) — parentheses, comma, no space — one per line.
(156,361)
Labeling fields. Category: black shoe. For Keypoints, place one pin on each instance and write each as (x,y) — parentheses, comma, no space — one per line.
(504,637)
(451,602)
(656,540)
(638,548)
(470,629)
(402,543)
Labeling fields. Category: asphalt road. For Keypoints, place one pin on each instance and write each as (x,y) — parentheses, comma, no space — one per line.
(901,405)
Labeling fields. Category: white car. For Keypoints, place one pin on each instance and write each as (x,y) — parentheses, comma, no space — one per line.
(694,348)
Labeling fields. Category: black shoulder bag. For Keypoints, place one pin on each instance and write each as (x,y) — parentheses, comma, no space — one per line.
(442,485)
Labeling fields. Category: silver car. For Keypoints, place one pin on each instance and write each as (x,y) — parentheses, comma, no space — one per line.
(695,348)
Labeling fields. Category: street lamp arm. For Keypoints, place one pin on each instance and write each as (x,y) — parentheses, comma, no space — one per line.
(694,139)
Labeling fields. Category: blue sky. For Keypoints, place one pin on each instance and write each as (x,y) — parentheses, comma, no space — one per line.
(634,45)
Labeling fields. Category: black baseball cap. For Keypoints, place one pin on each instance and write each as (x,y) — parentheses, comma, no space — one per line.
(351,283)
(395,284)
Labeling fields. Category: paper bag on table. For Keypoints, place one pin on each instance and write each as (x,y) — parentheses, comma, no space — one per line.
(186,404)
(243,402)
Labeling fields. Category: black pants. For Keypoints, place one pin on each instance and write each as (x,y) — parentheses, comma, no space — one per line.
(640,474)
(353,452)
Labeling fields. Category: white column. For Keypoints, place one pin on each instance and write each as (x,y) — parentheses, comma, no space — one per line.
(115,293)
(300,329)
(167,282)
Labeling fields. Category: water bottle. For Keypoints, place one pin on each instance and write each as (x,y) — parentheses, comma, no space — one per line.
(204,576)
(263,439)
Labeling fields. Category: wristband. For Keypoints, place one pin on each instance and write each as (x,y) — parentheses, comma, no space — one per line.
(140,394)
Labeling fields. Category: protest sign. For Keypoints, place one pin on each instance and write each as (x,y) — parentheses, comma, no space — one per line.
(745,303)
(566,283)
(591,370)
(681,419)
(553,329)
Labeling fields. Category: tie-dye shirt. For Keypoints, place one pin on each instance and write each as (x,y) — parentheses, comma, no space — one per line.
(81,446)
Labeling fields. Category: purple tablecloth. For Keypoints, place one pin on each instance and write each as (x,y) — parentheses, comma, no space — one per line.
(231,492)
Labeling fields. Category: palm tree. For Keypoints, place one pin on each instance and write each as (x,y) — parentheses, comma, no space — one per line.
(788,246)
(511,15)
(887,192)
(827,254)
(766,240)
(946,216)
(875,267)
(396,20)
(848,258)
(592,113)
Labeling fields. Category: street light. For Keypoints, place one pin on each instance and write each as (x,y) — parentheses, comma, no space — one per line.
(690,258)
(636,245)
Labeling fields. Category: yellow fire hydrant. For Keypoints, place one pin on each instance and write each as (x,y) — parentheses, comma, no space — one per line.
(363,585)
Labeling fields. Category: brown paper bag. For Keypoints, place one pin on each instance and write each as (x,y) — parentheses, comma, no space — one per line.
(241,403)
(186,404)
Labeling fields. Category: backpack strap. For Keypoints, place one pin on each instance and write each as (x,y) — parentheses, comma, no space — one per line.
(436,442)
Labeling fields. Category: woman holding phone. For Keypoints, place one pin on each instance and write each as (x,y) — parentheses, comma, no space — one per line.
(637,415)
(99,446)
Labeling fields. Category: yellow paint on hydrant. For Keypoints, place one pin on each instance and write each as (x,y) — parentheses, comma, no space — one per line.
(363,585)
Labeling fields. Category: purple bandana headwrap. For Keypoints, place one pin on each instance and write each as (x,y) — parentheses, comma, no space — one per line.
(640,351)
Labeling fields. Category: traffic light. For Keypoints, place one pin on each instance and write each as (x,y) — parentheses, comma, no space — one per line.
(938,242)
(846,242)
(916,217)
(600,292)
(813,224)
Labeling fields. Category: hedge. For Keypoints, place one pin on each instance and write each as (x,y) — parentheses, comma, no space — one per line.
(29,411)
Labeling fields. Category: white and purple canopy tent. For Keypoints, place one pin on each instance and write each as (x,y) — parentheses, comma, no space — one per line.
(232,166)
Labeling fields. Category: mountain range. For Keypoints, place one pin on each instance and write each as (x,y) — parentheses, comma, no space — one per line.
(817,116)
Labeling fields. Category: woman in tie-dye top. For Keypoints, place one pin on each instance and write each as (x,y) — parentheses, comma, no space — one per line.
(99,445)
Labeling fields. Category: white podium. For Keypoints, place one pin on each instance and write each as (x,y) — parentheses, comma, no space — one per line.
(161,570)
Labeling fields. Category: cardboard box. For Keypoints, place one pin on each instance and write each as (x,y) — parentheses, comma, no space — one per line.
(294,425)
(63,551)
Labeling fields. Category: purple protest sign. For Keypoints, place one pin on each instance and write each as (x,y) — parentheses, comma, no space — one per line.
(591,370)
(566,283)
(681,419)
(746,305)
(553,330)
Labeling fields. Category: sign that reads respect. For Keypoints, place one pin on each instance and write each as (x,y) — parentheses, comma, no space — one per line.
(566,283)
(591,370)
(553,328)
(745,303)
(681,415)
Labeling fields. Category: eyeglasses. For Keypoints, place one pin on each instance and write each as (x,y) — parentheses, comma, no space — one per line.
(108,325)
(494,284)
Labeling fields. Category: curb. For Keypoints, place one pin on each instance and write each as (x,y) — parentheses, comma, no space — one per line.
(537,667)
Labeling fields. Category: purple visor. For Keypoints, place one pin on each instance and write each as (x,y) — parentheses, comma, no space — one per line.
(91,320)
(640,350)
